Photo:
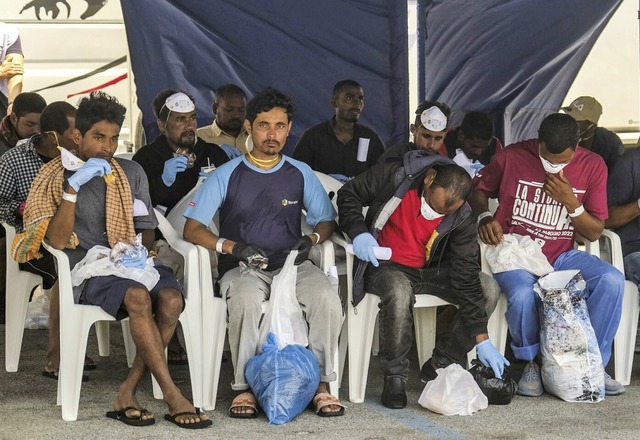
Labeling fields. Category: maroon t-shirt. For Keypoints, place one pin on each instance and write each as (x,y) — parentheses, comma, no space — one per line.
(515,177)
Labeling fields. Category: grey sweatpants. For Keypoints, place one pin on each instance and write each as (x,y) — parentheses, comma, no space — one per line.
(320,304)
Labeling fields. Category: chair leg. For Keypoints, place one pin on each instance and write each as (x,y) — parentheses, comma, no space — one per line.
(214,327)
(625,339)
(102,334)
(343,345)
(193,339)
(16,313)
(129,345)
(375,342)
(360,330)
(424,321)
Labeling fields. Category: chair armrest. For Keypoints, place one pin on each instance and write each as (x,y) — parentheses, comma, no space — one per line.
(592,247)
(617,259)
(64,274)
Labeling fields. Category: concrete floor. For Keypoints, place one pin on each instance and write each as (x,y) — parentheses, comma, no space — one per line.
(27,405)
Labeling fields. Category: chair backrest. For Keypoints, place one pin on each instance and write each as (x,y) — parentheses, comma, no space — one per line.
(176,216)
(331,186)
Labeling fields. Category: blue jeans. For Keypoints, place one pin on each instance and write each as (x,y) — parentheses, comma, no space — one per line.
(632,267)
(397,286)
(605,289)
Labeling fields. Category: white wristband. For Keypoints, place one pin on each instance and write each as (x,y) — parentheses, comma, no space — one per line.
(638,203)
(219,245)
(73,198)
(317,236)
(483,216)
(579,210)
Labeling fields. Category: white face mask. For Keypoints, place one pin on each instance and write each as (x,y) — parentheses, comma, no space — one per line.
(427,211)
(552,167)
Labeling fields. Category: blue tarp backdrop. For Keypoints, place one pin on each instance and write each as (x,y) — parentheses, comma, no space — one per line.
(301,47)
(515,59)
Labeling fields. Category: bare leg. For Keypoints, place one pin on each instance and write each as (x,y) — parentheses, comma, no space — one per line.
(151,338)
(53,343)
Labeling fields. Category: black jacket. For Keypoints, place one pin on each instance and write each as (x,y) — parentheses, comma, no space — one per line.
(381,188)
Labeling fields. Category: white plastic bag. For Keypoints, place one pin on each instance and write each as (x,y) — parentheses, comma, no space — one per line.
(97,263)
(284,316)
(37,313)
(571,361)
(518,252)
(453,392)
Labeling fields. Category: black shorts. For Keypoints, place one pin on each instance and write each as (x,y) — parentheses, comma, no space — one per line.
(108,292)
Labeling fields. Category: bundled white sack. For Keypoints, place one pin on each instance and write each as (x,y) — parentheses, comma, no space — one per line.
(571,361)
(453,392)
(518,252)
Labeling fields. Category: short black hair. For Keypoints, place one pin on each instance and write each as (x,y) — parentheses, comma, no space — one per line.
(159,109)
(341,85)
(444,108)
(99,106)
(228,90)
(28,102)
(55,116)
(477,125)
(559,131)
(454,180)
(267,100)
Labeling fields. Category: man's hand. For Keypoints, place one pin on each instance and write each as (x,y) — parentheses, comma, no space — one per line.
(9,69)
(490,357)
(558,187)
(363,245)
(490,231)
(172,167)
(303,246)
(94,167)
(251,254)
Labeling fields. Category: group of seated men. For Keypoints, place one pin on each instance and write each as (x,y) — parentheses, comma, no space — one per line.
(431,222)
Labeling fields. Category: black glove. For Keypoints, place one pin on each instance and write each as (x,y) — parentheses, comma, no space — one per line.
(250,254)
(303,246)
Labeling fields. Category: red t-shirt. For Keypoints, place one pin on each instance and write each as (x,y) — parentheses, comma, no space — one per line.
(408,233)
(515,177)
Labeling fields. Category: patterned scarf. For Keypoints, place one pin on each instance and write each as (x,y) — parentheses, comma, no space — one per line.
(8,135)
(45,197)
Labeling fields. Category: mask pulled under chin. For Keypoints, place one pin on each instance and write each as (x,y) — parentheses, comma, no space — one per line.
(427,211)
(552,167)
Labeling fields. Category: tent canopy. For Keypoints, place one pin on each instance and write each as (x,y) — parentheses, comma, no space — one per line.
(515,59)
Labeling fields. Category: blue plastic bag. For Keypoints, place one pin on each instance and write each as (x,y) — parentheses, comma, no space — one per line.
(284,381)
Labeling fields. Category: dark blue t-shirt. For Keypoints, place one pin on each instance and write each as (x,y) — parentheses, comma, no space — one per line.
(261,207)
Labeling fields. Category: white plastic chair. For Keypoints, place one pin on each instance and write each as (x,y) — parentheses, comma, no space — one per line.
(214,316)
(20,284)
(625,339)
(75,322)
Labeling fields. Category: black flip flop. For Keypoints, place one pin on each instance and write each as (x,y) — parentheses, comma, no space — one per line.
(199,425)
(131,421)
(54,375)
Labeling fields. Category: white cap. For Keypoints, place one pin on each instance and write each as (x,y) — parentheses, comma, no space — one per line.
(433,119)
(180,103)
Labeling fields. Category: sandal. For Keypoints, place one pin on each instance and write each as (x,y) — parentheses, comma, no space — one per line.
(177,357)
(247,401)
(321,400)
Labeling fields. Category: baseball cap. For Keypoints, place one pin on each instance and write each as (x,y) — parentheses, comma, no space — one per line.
(584,108)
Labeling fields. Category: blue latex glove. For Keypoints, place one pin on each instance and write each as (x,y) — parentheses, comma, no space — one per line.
(340,177)
(136,262)
(363,246)
(92,168)
(172,167)
(491,357)
(232,152)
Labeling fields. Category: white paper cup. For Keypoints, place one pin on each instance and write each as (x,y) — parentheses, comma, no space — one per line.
(363,149)
(381,253)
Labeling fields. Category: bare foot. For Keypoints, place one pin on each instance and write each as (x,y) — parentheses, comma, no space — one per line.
(131,401)
(244,406)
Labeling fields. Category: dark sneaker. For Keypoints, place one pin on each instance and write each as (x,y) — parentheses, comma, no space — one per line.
(428,372)
(530,383)
(393,393)
(611,386)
